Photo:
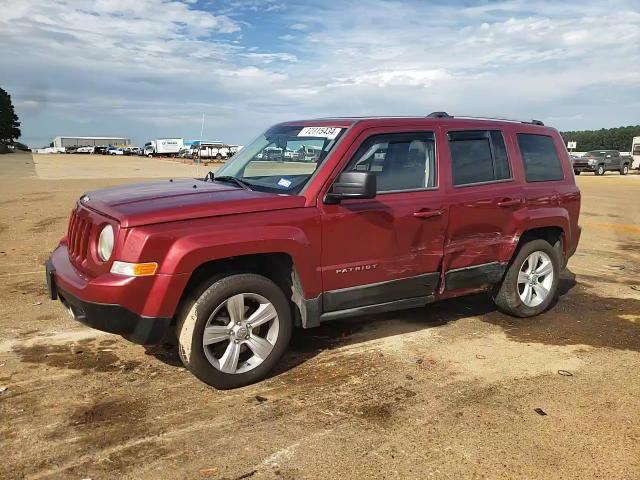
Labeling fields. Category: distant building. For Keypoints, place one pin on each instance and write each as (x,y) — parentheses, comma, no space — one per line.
(90,141)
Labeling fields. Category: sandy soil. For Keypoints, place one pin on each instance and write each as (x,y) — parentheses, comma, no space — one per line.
(448,391)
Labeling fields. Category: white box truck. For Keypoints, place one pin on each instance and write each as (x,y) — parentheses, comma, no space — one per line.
(163,147)
(635,153)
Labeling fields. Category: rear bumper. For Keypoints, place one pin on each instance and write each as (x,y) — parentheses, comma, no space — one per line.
(110,318)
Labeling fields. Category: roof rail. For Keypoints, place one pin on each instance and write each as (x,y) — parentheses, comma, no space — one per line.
(439,115)
(446,115)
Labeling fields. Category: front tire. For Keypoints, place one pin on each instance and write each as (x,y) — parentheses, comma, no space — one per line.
(577,172)
(600,170)
(531,282)
(234,330)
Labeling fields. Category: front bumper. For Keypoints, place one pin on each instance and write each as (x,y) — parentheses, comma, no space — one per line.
(108,317)
(584,168)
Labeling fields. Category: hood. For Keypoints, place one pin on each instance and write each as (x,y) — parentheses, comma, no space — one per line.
(169,201)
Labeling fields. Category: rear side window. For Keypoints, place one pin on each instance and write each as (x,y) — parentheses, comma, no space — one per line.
(541,161)
(478,156)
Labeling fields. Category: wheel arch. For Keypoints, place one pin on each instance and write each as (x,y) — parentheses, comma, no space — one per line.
(555,235)
(279,267)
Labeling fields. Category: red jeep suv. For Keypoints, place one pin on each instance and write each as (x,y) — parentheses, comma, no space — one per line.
(388,213)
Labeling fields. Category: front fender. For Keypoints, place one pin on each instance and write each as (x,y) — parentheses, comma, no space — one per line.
(181,247)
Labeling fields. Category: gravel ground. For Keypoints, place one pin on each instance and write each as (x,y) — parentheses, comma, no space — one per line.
(449,391)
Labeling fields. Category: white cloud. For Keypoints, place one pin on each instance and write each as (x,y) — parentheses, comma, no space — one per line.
(152,67)
(298,26)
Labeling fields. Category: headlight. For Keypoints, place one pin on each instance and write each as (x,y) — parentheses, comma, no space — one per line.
(105,243)
(592,161)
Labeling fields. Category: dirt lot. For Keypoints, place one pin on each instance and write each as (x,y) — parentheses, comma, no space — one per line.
(448,391)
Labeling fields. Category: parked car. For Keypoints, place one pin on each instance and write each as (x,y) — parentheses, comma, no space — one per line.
(116,151)
(402,212)
(100,150)
(85,149)
(601,161)
(187,151)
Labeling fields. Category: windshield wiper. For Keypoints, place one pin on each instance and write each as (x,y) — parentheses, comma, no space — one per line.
(230,179)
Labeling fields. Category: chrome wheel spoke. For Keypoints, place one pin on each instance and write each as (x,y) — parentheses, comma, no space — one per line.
(235,307)
(544,269)
(522,278)
(215,334)
(260,347)
(265,313)
(528,294)
(533,262)
(229,361)
(541,292)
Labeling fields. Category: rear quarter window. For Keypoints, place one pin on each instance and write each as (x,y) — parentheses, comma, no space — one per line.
(540,157)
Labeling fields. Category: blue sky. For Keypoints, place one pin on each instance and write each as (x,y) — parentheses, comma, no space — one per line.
(150,68)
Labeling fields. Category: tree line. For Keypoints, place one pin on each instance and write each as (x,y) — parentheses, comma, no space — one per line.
(604,139)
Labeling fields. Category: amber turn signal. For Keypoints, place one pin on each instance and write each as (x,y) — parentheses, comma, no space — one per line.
(134,269)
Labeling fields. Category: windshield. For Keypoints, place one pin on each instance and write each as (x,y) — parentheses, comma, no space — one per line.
(283,158)
(595,153)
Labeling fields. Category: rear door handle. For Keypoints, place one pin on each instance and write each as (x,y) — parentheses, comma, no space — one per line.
(510,202)
(428,213)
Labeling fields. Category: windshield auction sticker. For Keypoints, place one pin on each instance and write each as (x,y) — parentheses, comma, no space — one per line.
(323,132)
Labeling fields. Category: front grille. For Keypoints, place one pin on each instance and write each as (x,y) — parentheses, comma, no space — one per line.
(78,236)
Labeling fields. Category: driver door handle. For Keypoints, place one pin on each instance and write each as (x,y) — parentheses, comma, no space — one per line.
(428,213)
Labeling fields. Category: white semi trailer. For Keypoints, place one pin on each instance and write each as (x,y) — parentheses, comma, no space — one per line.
(163,147)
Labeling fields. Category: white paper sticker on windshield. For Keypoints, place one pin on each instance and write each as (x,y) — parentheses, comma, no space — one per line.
(283,182)
(324,132)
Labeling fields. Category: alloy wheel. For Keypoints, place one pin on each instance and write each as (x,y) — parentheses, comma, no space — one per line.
(535,279)
(240,333)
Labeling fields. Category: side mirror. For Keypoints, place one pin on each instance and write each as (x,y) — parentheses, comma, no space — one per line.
(352,185)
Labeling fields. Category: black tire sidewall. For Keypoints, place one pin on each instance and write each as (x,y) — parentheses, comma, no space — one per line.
(218,291)
(600,170)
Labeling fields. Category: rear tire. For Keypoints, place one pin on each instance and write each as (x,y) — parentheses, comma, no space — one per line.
(600,170)
(526,289)
(218,306)
(625,169)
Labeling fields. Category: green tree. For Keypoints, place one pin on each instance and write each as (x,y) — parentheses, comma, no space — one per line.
(9,123)
(606,138)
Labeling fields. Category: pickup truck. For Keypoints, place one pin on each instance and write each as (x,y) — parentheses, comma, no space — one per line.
(601,161)
(393,213)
